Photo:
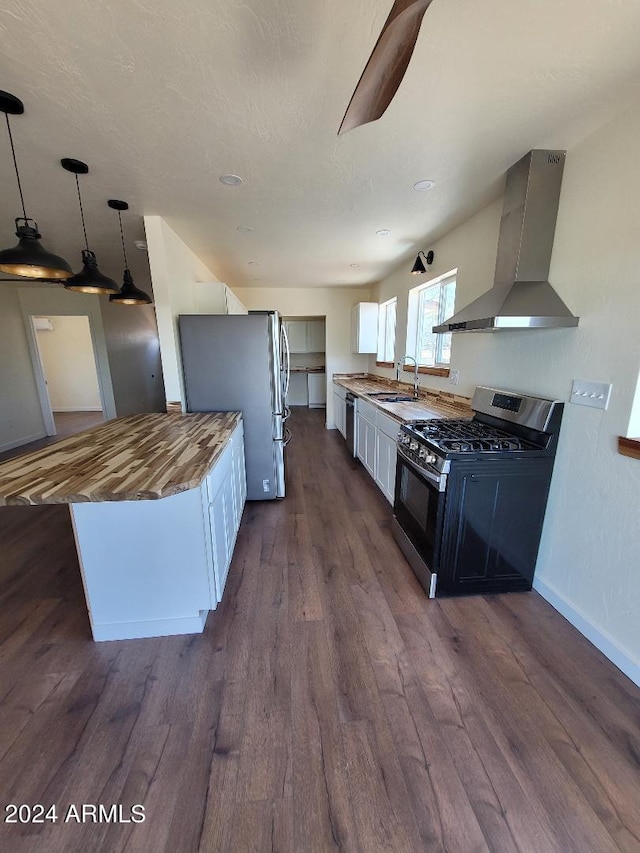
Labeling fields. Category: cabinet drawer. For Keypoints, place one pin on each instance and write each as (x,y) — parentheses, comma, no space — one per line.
(367,410)
(340,391)
(219,472)
(389,426)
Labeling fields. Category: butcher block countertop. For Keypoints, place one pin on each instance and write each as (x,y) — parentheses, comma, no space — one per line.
(137,457)
(430,404)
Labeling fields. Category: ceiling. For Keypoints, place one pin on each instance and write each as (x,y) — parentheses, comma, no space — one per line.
(162,97)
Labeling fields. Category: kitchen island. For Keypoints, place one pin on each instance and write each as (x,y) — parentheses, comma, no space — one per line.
(155,502)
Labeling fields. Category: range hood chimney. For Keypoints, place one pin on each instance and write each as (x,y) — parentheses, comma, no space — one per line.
(521,296)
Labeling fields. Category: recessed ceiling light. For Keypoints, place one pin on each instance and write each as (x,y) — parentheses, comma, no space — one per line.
(244,229)
(141,244)
(353,266)
(230,180)
(383,232)
(253,263)
(424,185)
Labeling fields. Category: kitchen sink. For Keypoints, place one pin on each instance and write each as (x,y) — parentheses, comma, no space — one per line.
(390,397)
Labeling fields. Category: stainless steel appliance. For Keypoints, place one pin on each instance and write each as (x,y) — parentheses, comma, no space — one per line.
(240,362)
(521,296)
(471,494)
(350,426)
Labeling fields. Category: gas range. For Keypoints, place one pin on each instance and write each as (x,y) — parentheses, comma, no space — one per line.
(471,493)
(504,424)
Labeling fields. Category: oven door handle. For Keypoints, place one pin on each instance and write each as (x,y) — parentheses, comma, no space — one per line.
(437,480)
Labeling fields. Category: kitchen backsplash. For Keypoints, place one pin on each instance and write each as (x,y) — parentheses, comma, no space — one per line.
(307,359)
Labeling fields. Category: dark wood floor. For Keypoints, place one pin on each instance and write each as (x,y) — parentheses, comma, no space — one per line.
(328,705)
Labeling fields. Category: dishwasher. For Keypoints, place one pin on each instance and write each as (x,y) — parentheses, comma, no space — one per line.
(350,426)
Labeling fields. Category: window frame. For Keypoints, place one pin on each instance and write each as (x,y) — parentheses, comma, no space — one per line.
(415,332)
(383,351)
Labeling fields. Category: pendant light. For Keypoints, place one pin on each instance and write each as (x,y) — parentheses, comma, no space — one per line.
(129,294)
(28,258)
(90,279)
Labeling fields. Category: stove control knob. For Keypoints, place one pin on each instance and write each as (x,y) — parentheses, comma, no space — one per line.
(413,445)
(423,453)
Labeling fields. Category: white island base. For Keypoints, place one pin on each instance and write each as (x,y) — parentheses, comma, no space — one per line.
(153,568)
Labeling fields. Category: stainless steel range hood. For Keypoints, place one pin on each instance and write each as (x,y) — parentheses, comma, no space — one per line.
(521,297)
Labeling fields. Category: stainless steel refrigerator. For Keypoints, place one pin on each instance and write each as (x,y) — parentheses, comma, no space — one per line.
(240,363)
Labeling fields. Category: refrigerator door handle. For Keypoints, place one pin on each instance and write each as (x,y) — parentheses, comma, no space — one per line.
(287,436)
(286,360)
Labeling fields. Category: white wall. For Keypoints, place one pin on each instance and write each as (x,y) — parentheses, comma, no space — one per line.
(175,272)
(69,365)
(335,304)
(589,559)
(20,413)
(37,301)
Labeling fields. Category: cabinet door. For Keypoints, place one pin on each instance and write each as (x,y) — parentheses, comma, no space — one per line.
(317,389)
(361,437)
(364,327)
(298,390)
(315,336)
(370,452)
(297,332)
(385,464)
(218,513)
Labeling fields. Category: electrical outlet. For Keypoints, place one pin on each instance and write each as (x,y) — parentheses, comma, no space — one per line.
(594,394)
(454,377)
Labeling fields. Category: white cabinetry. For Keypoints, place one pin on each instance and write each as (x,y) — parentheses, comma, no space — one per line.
(214,297)
(340,409)
(376,445)
(317,390)
(227,490)
(153,568)
(298,390)
(306,335)
(364,327)
(385,463)
(366,435)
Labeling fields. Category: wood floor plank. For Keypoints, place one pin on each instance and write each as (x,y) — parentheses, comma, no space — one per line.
(329,705)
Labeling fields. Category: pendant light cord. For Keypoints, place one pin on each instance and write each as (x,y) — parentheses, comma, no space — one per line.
(124,251)
(15,165)
(86,242)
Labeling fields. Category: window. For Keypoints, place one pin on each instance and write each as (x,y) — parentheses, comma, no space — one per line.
(435,301)
(387,331)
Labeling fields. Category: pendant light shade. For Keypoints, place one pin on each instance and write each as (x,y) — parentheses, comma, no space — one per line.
(89,279)
(129,294)
(28,258)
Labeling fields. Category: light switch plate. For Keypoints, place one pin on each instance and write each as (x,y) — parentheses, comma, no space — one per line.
(594,394)
(454,377)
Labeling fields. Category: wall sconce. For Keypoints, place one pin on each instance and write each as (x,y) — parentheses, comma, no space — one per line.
(419,268)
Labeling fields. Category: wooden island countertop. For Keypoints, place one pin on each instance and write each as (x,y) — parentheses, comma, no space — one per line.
(136,457)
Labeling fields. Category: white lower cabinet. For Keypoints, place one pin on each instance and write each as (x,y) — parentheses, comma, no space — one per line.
(377,446)
(385,466)
(227,491)
(153,568)
(366,442)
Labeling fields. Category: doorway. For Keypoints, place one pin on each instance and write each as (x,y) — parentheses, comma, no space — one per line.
(66,373)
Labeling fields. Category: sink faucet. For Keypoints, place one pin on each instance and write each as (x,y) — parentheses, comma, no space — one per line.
(416,384)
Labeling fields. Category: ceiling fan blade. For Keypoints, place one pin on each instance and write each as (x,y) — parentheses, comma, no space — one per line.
(387,64)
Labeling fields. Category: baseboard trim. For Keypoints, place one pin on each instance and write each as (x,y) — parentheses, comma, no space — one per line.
(602,641)
(27,439)
(149,628)
(77,409)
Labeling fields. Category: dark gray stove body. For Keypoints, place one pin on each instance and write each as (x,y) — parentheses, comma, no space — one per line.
(471,494)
